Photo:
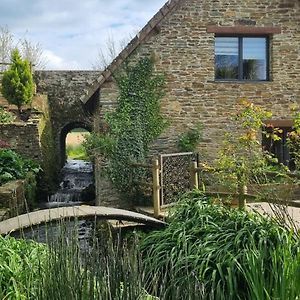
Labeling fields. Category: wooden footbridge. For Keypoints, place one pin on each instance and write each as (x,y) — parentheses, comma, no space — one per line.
(80,212)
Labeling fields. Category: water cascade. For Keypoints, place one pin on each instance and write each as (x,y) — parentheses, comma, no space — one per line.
(76,187)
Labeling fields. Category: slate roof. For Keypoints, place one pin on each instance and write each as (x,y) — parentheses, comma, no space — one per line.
(152,25)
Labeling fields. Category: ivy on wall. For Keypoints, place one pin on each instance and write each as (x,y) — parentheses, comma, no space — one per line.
(131,128)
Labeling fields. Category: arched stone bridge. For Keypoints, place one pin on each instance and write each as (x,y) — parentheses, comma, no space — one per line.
(49,215)
(64,89)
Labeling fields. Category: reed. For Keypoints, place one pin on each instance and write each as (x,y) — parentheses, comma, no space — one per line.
(233,254)
(207,252)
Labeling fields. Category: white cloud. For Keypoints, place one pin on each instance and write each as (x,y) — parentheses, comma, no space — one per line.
(72,32)
(55,62)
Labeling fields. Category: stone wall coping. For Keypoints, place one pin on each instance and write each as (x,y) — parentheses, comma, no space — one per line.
(11,186)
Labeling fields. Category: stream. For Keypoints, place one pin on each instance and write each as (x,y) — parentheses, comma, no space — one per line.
(76,186)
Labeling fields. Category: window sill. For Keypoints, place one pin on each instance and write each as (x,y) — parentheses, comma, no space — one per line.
(240,81)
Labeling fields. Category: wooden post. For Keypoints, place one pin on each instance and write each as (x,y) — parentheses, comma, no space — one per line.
(156,188)
(194,175)
(242,190)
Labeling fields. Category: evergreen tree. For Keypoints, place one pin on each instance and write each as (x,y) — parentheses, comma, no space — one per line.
(17,82)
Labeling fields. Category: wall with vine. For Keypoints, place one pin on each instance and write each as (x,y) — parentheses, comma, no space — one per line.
(135,123)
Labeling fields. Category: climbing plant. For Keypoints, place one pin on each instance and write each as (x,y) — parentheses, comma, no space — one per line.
(131,128)
(17,82)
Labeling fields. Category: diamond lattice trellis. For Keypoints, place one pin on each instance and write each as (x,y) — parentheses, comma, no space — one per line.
(175,176)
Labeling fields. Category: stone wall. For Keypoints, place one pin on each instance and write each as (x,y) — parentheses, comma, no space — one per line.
(12,199)
(33,139)
(66,111)
(23,138)
(184,52)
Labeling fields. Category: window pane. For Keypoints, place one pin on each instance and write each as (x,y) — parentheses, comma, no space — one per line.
(254,59)
(226,58)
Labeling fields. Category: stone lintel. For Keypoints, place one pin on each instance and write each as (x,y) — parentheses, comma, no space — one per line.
(280,123)
(249,30)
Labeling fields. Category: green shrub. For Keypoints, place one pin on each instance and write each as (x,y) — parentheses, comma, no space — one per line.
(13,166)
(189,140)
(224,249)
(132,127)
(17,82)
(76,152)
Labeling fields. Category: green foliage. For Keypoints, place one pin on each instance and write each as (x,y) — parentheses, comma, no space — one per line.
(241,158)
(21,265)
(13,166)
(293,140)
(5,116)
(189,140)
(134,124)
(206,252)
(231,253)
(106,270)
(30,190)
(17,82)
(49,176)
(76,152)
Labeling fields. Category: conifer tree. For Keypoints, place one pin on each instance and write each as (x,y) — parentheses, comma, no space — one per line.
(17,82)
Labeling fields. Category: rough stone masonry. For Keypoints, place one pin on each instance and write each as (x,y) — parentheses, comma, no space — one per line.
(181,37)
(183,47)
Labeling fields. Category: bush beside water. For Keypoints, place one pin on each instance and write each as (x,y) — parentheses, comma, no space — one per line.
(206,252)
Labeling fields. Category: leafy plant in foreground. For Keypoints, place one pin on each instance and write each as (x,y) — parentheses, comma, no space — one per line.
(215,245)
(21,265)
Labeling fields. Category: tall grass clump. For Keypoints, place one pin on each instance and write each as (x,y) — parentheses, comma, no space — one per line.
(104,269)
(231,254)
(21,266)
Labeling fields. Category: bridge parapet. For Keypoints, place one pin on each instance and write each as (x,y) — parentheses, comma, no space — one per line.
(54,214)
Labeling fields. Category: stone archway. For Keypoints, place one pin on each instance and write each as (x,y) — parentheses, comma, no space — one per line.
(63,134)
(66,111)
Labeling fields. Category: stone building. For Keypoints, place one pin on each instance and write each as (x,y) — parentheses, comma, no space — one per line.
(214,52)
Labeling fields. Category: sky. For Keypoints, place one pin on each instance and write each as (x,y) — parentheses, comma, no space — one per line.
(72,32)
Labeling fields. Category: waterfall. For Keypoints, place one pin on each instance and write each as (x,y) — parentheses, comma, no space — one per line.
(76,187)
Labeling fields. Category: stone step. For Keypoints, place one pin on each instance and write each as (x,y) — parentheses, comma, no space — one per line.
(3,102)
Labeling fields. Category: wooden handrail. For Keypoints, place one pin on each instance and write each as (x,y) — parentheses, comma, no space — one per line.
(141,165)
